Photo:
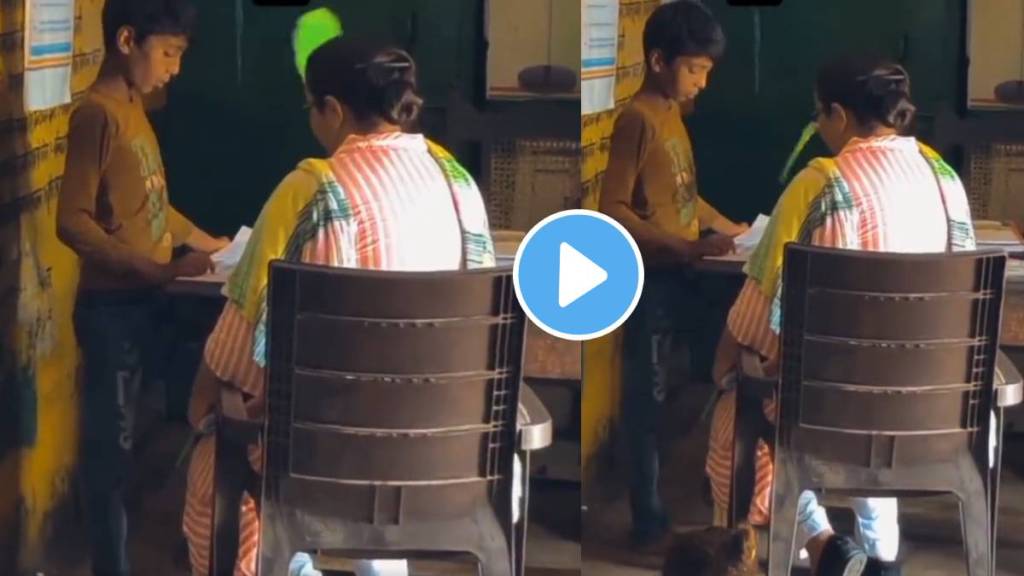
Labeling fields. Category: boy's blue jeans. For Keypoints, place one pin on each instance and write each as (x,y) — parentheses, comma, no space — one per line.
(116,333)
(676,310)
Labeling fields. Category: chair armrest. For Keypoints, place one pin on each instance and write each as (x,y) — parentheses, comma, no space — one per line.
(750,379)
(232,404)
(1009,383)
(233,476)
(233,418)
(534,422)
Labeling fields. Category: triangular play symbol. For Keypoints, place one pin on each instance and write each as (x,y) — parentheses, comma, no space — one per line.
(577,275)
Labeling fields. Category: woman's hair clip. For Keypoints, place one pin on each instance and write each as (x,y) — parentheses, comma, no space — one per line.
(890,81)
(897,76)
(386,65)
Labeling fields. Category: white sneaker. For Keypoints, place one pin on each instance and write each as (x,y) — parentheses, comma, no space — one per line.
(302,565)
(382,568)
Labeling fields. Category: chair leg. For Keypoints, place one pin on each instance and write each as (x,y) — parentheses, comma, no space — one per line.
(494,558)
(493,549)
(994,474)
(976,529)
(519,530)
(276,544)
(785,500)
(746,433)
(230,476)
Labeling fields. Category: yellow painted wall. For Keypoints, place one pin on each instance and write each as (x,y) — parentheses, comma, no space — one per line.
(601,357)
(38,277)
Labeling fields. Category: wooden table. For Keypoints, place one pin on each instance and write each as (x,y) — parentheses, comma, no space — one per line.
(209,286)
(730,266)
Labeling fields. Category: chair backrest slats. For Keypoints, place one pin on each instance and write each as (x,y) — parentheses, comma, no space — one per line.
(895,346)
(392,379)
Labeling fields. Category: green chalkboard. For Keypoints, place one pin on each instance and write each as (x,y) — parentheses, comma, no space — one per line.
(228,140)
(234,123)
(750,116)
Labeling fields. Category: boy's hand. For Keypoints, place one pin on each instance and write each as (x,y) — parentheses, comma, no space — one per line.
(188,266)
(737,229)
(220,244)
(203,242)
(715,245)
(191,265)
(729,228)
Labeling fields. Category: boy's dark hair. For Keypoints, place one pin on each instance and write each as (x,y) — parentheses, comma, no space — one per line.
(147,18)
(874,89)
(375,82)
(683,28)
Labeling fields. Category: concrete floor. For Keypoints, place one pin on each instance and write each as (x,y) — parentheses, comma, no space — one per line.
(157,548)
(930,543)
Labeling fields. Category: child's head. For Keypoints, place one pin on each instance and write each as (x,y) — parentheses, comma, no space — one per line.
(354,87)
(713,551)
(148,38)
(682,41)
(861,96)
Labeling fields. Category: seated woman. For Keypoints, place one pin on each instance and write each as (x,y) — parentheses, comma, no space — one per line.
(881,192)
(383,200)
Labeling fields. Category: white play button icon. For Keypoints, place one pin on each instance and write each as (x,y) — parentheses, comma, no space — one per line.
(577,275)
(597,268)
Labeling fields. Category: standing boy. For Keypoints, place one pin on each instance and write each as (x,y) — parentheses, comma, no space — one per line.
(114,213)
(650,187)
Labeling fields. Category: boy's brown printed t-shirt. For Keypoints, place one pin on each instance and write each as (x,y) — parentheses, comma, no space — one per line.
(650,166)
(114,200)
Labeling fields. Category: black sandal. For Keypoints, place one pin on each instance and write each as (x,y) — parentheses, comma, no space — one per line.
(842,557)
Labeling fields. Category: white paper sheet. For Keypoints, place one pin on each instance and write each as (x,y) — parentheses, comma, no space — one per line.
(49,49)
(211,278)
(225,260)
(749,240)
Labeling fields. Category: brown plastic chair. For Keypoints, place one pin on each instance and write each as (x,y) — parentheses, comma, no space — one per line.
(392,420)
(888,377)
